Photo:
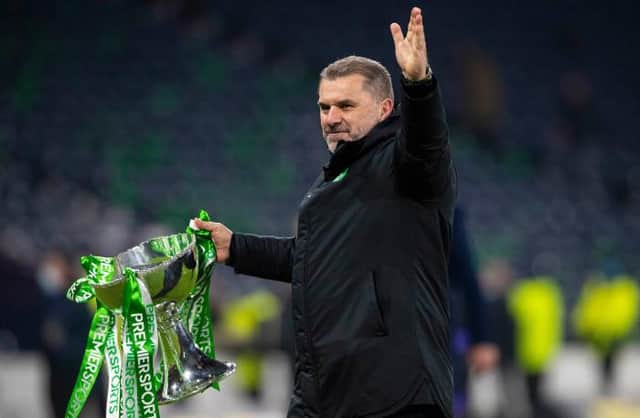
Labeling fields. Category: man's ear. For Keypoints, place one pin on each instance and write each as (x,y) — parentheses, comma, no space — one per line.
(385,109)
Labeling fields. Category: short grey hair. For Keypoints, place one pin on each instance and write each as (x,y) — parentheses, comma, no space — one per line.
(377,77)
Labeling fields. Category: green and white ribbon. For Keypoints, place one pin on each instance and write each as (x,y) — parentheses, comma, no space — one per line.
(139,397)
(99,332)
(132,389)
(195,311)
(113,356)
(99,270)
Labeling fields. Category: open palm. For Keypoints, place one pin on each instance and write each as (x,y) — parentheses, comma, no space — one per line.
(411,51)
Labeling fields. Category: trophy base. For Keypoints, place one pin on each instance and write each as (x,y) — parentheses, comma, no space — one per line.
(192,381)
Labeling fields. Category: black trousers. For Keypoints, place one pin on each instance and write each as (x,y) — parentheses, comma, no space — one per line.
(419,411)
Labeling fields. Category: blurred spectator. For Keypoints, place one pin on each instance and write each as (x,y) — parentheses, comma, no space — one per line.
(247,322)
(482,96)
(605,316)
(497,279)
(64,330)
(577,118)
(471,348)
(537,307)
(21,308)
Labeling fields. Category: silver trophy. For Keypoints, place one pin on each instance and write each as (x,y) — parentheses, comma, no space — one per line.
(169,269)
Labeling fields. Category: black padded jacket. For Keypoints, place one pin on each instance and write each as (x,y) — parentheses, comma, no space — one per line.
(368,268)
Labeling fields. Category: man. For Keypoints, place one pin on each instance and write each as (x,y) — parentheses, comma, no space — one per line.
(368,266)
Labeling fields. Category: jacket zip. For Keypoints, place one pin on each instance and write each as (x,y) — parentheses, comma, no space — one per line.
(309,349)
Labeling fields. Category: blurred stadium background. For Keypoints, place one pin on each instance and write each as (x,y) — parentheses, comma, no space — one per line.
(120,119)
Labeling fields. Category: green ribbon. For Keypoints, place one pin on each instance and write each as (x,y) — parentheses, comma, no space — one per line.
(132,387)
(195,311)
(98,269)
(140,399)
(81,291)
(113,356)
(101,326)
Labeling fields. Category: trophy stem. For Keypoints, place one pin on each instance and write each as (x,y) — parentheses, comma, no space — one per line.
(187,370)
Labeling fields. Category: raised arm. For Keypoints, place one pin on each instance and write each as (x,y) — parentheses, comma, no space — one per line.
(422,158)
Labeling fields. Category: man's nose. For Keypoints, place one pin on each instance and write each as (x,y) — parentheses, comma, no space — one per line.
(334,115)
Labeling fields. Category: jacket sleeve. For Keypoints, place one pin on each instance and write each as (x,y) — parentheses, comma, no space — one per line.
(422,158)
(262,256)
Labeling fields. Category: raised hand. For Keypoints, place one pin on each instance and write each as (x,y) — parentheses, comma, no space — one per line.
(411,51)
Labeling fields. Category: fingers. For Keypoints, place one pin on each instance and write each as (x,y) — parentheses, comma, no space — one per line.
(419,32)
(415,30)
(396,33)
(220,234)
(208,226)
(415,33)
(411,51)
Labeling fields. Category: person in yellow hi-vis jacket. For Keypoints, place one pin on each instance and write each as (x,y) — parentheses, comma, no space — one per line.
(243,321)
(537,307)
(606,314)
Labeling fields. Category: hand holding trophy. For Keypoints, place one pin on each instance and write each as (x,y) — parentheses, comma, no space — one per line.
(154,295)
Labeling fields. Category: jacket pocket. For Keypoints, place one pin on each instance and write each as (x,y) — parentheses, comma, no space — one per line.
(374,300)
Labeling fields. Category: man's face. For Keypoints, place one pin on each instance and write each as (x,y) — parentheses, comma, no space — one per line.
(348,111)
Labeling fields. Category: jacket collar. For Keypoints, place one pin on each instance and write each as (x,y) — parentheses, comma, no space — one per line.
(347,152)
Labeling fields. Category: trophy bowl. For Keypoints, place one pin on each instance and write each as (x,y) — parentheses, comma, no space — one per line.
(168,267)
